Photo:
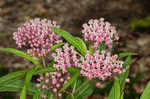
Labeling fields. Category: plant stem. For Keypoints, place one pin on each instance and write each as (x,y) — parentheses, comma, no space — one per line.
(43,61)
(91,49)
(74,87)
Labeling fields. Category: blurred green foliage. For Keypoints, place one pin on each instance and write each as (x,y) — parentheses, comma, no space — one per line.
(3,70)
(5,95)
(131,93)
(2,35)
(140,24)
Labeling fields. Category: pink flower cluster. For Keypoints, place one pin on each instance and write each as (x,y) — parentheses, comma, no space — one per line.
(101,66)
(52,82)
(99,31)
(65,57)
(37,36)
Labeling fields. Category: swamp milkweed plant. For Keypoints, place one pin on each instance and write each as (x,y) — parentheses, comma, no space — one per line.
(68,67)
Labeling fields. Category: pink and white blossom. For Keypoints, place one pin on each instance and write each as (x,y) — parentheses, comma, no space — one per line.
(98,31)
(37,36)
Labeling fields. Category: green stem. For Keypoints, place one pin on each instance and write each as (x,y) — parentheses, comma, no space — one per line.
(43,61)
(91,49)
(74,87)
(72,96)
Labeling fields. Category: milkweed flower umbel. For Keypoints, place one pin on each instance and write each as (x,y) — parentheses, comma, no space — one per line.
(98,31)
(52,82)
(65,57)
(101,66)
(37,36)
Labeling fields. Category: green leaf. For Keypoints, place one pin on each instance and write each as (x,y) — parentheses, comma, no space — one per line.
(85,90)
(22,54)
(146,93)
(74,78)
(124,54)
(123,76)
(102,47)
(12,76)
(36,96)
(75,41)
(140,24)
(27,82)
(119,84)
(16,86)
(73,69)
(115,91)
(20,74)
(23,93)
(44,70)
(81,46)
(56,46)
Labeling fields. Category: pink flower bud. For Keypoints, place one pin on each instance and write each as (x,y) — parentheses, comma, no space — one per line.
(59,94)
(54,90)
(61,80)
(98,84)
(38,85)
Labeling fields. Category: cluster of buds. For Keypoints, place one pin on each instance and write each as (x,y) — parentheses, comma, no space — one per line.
(52,82)
(37,36)
(65,57)
(101,66)
(98,31)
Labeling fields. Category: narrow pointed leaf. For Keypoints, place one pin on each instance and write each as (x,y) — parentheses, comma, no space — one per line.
(27,82)
(74,78)
(124,54)
(20,74)
(75,41)
(16,86)
(44,70)
(12,76)
(115,90)
(123,76)
(81,46)
(146,93)
(85,91)
(56,46)
(36,96)
(23,93)
(22,54)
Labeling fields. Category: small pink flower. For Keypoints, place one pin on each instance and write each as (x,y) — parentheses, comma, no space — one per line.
(57,85)
(38,85)
(127,80)
(59,94)
(54,90)
(43,96)
(61,80)
(47,81)
(54,81)
(98,84)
